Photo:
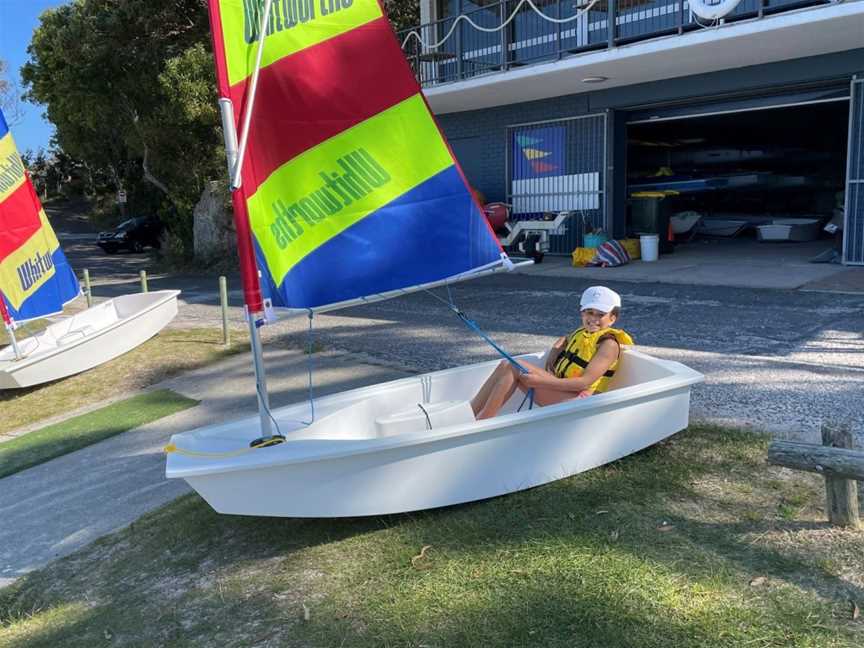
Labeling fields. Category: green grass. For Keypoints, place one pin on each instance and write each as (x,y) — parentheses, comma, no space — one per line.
(680,545)
(24,330)
(40,446)
(168,354)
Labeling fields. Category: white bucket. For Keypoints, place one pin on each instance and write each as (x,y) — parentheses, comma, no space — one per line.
(648,246)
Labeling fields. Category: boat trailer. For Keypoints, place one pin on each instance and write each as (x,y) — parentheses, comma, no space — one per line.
(530,238)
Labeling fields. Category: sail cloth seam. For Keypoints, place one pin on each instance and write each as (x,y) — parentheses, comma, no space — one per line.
(288,115)
(492,30)
(292,26)
(357,182)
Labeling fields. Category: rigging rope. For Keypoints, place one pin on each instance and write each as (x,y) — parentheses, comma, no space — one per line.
(474,326)
(492,30)
(263,442)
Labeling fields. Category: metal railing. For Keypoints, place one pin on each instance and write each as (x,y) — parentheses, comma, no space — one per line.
(528,38)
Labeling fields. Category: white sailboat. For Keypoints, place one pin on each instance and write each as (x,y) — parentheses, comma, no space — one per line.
(350,194)
(36,282)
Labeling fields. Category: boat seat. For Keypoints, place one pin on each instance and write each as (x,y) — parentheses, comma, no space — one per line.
(425,416)
(75,334)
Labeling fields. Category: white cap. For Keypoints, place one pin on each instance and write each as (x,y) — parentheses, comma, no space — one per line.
(600,298)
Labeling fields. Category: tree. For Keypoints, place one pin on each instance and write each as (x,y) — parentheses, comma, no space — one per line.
(97,65)
(8,96)
(403,14)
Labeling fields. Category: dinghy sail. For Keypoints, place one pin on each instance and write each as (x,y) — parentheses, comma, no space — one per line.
(348,187)
(35,278)
(343,186)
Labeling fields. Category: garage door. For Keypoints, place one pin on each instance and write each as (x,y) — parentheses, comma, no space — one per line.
(744,102)
(853,238)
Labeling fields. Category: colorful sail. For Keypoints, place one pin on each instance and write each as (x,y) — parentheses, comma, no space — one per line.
(35,278)
(350,188)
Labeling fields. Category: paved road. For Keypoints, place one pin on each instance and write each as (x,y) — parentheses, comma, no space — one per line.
(782,360)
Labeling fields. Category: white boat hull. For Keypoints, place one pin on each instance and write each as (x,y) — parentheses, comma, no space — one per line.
(87,339)
(342,466)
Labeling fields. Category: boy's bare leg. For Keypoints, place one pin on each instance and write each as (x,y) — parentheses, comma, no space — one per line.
(482,396)
(506,383)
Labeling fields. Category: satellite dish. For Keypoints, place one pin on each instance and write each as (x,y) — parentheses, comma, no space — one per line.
(713,9)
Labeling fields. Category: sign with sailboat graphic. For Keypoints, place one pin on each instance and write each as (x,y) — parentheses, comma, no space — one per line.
(347,183)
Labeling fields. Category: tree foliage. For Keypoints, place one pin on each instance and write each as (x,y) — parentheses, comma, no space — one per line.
(8,95)
(403,14)
(108,72)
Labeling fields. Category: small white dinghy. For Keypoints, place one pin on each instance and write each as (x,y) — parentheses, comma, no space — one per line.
(394,215)
(87,339)
(371,452)
(36,281)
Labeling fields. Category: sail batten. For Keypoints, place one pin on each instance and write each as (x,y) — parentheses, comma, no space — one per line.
(349,186)
(35,278)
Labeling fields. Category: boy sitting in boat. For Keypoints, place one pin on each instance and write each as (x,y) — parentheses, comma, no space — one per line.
(578,365)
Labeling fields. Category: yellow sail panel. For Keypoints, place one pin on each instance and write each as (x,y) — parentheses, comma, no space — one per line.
(293,26)
(11,167)
(319,194)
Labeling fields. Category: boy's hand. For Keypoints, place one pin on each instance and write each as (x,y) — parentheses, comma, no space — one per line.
(534,377)
(530,380)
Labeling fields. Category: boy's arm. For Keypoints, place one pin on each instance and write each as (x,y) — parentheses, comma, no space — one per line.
(607,354)
(555,351)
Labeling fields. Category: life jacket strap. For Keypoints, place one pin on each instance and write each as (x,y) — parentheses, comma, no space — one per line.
(572,358)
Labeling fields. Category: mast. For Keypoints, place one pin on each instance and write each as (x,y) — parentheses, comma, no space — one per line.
(254,304)
(10,326)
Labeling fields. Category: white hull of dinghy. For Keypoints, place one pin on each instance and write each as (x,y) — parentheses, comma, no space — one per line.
(87,339)
(351,463)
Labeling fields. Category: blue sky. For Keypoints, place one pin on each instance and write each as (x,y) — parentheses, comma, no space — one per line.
(18,19)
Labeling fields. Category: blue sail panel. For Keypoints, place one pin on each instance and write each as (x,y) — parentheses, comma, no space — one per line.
(432,232)
(35,277)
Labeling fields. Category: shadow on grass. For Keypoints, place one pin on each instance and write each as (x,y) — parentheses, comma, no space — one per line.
(42,445)
(164,356)
(604,558)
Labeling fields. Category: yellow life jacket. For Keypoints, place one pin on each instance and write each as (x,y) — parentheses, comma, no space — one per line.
(579,347)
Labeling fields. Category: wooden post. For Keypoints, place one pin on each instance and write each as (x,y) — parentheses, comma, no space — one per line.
(223,298)
(143,275)
(841,494)
(87,292)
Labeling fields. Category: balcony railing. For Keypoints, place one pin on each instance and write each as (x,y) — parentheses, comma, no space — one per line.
(529,38)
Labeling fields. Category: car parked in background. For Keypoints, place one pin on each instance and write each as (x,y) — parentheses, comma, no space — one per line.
(134,234)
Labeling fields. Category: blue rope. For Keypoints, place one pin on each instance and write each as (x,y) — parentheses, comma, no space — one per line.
(473,325)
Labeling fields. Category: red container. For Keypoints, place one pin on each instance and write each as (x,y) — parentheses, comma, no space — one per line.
(497,214)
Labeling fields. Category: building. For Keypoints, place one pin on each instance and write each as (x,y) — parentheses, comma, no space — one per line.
(755,116)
